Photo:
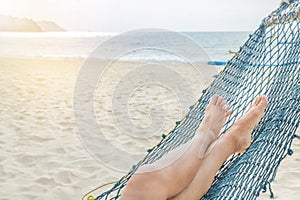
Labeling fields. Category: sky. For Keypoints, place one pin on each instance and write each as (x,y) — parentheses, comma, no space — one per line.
(126,15)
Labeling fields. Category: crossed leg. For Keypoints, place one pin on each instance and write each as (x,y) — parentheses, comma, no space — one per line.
(190,175)
(236,140)
(169,175)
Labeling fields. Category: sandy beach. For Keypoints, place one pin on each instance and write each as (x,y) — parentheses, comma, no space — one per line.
(42,157)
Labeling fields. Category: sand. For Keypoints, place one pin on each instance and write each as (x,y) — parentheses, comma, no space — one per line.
(41,154)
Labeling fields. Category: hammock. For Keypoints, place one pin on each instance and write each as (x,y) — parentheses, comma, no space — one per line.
(268,63)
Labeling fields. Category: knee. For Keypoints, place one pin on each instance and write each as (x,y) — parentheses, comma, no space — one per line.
(143,186)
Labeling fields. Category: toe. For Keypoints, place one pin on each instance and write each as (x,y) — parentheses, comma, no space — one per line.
(223,103)
(225,107)
(257,100)
(228,113)
(220,101)
(264,102)
(214,99)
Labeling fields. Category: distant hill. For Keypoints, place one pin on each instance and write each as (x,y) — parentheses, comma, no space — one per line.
(48,26)
(14,24)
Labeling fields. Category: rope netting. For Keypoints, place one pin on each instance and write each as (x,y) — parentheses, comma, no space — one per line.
(268,63)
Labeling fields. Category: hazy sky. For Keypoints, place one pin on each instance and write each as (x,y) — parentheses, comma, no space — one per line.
(125,15)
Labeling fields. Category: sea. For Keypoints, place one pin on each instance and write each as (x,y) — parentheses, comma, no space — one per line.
(69,45)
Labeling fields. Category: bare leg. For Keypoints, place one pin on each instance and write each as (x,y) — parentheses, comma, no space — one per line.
(236,139)
(171,174)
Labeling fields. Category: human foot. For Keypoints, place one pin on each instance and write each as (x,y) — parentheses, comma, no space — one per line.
(240,132)
(215,116)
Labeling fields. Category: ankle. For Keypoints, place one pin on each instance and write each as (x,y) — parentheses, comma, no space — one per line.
(230,141)
(201,143)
